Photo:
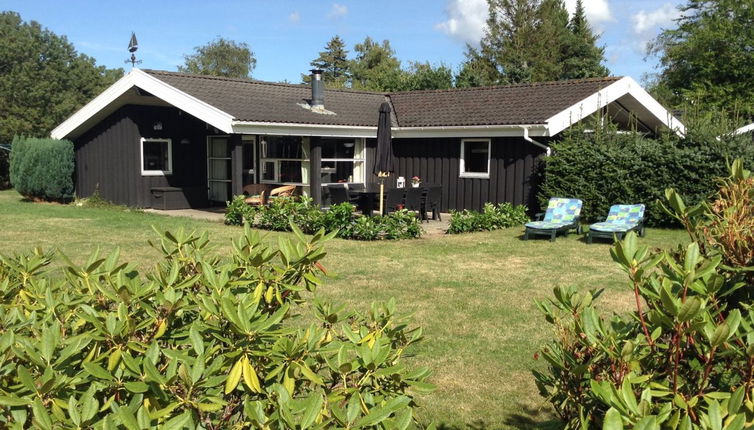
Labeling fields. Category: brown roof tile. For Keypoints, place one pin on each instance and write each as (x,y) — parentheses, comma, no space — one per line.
(502,105)
(250,100)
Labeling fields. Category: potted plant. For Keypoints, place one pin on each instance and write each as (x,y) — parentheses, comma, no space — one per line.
(415,181)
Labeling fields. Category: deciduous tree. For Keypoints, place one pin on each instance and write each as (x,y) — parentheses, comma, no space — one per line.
(43,80)
(375,67)
(709,56)
(221,57)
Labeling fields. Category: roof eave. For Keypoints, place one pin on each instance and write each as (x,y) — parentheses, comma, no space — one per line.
(75,125)
(626,85)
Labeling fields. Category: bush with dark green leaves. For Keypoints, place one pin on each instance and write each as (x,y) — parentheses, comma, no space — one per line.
(283,212)
(492,217)
(42,168)
(683,358)
(4,177)
(205,341)
(605,167)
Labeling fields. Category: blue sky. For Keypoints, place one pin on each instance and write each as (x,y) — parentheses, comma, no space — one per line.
(286,35)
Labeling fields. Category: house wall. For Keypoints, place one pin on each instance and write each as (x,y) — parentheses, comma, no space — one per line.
(513,163)
(108,157)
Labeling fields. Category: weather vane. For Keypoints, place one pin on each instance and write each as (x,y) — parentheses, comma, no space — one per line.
(133,46)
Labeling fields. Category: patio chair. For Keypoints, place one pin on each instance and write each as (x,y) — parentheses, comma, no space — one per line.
(353,192)
(432,201)
(415,201)
(284,191)
(337,194)
(257,194)
(620,220)
(393,200)
(562,215)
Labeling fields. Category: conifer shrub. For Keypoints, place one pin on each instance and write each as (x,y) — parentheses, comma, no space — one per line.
(683,358)
(42,168)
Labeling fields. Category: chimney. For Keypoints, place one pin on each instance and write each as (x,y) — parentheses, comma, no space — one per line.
(318,90)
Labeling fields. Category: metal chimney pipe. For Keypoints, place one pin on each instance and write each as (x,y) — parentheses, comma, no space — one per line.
(318,90)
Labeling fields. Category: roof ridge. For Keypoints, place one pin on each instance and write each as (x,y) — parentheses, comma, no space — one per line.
(520,85)
(253,81)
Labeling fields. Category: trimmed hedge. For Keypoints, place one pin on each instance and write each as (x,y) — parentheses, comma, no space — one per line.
(42,168)
(605,168)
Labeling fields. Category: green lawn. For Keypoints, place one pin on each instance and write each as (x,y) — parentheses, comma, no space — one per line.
(473,294)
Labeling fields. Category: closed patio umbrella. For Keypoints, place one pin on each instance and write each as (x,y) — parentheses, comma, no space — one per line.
(383,165)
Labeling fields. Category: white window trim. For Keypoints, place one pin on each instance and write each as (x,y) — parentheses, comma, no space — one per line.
(358,157)
(462,170)
(169,170)
(262,160)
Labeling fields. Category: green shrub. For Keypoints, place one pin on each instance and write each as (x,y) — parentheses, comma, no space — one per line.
(205,341)
(684,357)
(492,217)
(283,212)
(606,168)
(42,168)
(4,177)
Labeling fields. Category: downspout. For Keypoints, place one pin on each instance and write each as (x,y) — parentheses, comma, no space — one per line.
(547,149)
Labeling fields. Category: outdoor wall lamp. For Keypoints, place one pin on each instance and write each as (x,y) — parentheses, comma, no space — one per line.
(157,126)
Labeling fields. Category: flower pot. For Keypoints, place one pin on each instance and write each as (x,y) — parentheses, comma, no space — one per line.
(415,185)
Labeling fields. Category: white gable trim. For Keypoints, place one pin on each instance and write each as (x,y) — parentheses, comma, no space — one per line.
(745,129)
(137,78)
(607,95)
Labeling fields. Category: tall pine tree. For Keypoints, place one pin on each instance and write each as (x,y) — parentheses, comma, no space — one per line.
(532,41)
(582,58)
(334,62)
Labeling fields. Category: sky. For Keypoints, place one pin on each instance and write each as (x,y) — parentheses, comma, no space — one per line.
(285,35)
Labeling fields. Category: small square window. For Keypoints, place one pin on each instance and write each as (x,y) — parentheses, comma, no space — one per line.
(156,157)
(475,158)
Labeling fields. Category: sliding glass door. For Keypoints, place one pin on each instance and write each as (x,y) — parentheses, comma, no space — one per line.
(218,169)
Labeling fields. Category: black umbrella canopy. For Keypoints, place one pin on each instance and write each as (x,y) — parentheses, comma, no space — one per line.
(384,156)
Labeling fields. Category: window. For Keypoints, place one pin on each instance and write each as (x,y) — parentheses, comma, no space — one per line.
(342,161)
(156,157)
(475,158)
(285,160)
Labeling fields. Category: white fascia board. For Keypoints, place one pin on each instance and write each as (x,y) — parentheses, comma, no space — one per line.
(90,109)
(136,78)
(607,95)
(292,129)
(471,131)
(745,129)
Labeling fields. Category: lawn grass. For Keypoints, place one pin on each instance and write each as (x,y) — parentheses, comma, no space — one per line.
(473,294)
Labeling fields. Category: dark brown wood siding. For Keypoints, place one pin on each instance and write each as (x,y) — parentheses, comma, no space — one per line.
(513,164)
(108,156)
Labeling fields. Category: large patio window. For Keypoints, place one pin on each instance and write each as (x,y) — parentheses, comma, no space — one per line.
(475,158)
(342,161)
(284,160)
(156,157)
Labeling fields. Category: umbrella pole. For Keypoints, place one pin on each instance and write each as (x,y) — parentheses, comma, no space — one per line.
(382,192)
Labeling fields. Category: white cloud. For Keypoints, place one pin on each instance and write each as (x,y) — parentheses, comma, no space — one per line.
(294,17)
(466,20)
(337,11)
(652,21)
(646,25)
(597,11)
